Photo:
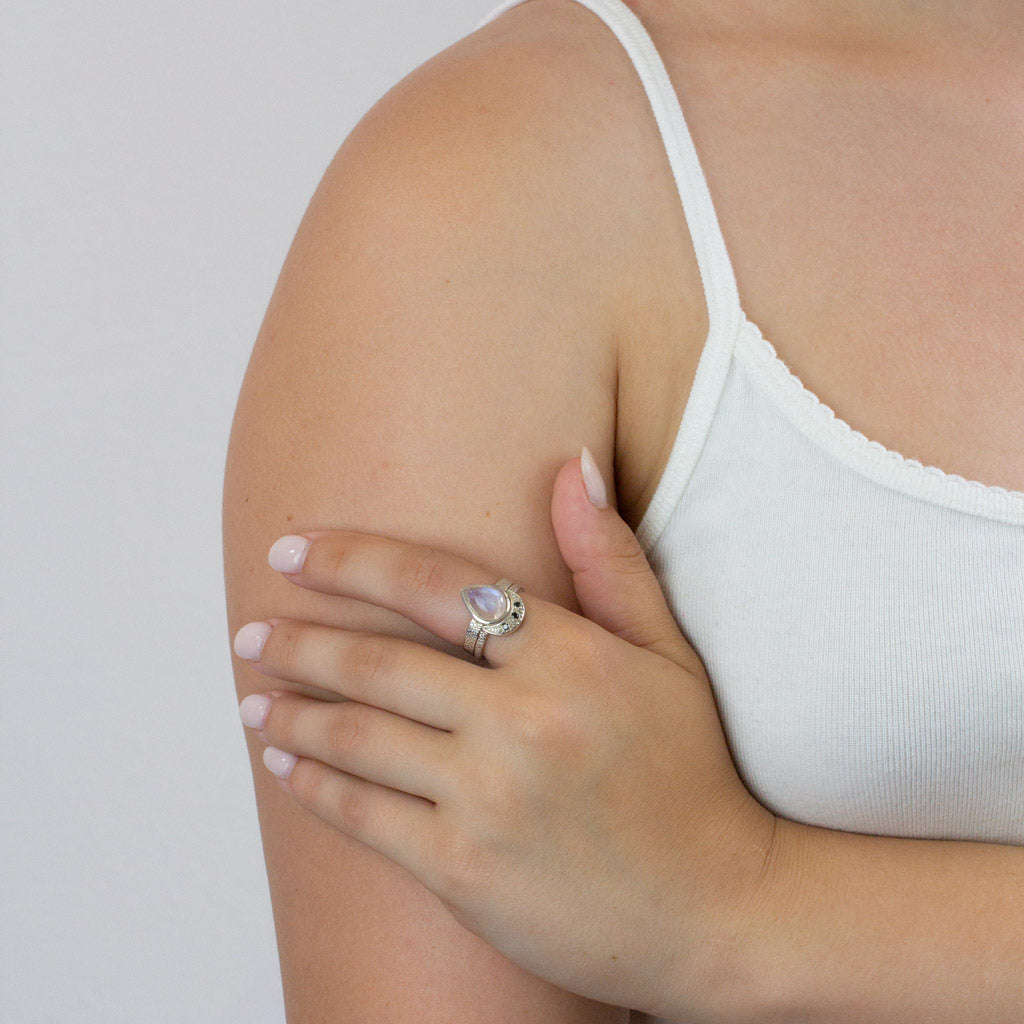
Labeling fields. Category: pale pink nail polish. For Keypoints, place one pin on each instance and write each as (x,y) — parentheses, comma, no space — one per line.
(253,710)
(249,640)
(288,554)
(593,482)
(279,762)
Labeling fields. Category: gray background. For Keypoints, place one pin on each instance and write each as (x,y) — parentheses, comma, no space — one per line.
(155,160)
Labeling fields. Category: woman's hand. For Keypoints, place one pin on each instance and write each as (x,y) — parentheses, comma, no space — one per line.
(572,801)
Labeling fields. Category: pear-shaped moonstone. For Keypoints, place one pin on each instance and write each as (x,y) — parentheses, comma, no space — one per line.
(488,604)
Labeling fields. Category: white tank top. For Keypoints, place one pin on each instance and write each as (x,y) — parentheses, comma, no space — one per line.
(860,615)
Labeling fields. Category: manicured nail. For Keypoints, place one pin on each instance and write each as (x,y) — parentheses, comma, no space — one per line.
(249,640)
(288,554)
(254,710)
(280,763)
(592,480)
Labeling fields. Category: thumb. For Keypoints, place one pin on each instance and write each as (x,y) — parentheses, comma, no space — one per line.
(615,585)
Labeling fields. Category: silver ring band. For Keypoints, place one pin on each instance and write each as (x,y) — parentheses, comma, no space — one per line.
(493,611)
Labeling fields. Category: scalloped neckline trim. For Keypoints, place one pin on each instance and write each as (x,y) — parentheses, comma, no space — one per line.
(820,424)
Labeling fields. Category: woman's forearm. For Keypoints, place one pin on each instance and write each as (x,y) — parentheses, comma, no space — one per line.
(854,928)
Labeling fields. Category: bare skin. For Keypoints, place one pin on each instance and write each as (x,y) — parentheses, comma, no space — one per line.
(869,185)
(866,166)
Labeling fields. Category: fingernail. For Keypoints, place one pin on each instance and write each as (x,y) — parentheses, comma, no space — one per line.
(280,763)
(592,480)
(288,553)
(253,710)
(249,640)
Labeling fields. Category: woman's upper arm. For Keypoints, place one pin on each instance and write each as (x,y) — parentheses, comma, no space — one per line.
(438,344)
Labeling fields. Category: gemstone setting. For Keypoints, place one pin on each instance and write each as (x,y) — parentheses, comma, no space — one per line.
(496,610)
(488,605)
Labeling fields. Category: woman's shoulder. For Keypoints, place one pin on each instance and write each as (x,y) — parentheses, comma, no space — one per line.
(521,170)
(530,106)
(534,127)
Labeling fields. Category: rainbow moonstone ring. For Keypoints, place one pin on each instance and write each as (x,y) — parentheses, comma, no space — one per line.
(494,611)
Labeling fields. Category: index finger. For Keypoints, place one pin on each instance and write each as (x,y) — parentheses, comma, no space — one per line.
(420,582)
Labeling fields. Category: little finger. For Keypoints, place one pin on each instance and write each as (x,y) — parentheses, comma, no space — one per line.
(402,827)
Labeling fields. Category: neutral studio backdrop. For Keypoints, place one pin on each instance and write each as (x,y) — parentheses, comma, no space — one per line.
(155,160)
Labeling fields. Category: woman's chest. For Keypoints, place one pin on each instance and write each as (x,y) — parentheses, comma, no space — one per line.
(861,620)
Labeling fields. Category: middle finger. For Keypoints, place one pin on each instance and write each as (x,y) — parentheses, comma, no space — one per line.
(388,672)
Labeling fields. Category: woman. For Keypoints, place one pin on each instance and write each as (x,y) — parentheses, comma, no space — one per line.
(496,270)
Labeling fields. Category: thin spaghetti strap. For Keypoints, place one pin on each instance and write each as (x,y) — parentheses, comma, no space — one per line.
(719,281)
(725,317)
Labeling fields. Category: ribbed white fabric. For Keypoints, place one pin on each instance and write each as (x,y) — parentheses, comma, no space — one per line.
(861,615)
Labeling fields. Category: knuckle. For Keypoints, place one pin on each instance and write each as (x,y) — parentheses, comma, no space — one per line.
(423,572)
(462,868)
(333,556)
(347,730)
(365,657)
(352,808)
(526,721)
(552,728)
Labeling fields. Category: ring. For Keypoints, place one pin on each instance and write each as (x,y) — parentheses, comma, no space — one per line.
(497,611)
